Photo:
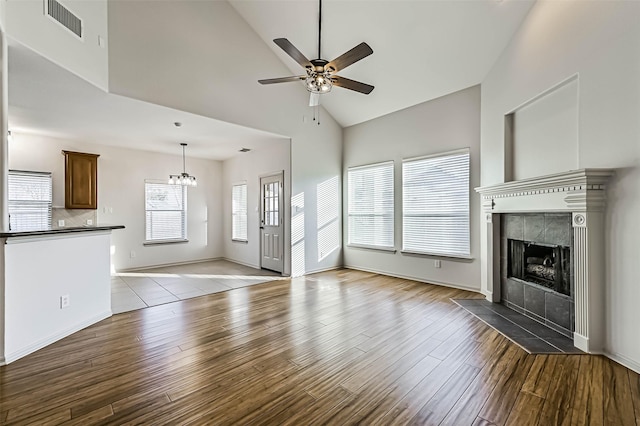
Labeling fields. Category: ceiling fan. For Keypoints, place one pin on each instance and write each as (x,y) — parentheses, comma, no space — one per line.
(320,74)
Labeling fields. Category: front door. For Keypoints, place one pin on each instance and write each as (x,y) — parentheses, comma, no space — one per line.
(271,222)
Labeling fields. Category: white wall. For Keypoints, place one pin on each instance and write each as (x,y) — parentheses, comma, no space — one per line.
(444,124)
(316,162)
(208,62)
(248,167)
(545,133)
(600,42)
(76,265)
(3,16)
(121,176)
(27,23)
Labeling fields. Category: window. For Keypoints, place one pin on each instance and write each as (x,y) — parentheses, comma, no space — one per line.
(239,212)
(435,204)
(166,212)
(29,200)
(371,205)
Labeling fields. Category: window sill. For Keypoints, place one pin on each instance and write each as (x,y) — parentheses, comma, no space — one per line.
(438,255)
(161,242)
(362,246)
(236,240)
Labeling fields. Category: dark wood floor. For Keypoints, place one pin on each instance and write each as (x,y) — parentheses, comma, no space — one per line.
(341,347)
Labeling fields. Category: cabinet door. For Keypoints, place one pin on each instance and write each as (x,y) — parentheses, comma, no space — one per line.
(81,175)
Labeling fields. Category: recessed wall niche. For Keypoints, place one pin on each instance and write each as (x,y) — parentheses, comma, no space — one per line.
(541,135)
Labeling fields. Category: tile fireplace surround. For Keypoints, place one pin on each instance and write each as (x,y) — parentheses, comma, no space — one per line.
(579,192)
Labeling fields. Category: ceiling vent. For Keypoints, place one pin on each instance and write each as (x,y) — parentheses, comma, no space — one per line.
(62,15)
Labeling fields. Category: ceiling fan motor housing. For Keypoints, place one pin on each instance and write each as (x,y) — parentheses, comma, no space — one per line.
(319,65)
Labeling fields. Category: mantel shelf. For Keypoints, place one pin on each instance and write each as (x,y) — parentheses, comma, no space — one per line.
(574,180)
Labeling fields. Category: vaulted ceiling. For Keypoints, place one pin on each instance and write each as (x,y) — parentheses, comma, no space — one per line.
(423,49)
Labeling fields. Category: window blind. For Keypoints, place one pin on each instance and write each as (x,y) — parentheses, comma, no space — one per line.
(166,212)
(370,210)
(29,200)
(239,212)
(435,204)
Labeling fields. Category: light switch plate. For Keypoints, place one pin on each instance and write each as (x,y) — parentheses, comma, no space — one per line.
(61,222)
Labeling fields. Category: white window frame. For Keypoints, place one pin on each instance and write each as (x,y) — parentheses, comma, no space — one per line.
(21,203)
(239,212)
(456,195)
(376,211)
(183,237)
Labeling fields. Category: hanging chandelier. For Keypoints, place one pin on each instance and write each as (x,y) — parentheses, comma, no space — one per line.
(183,178)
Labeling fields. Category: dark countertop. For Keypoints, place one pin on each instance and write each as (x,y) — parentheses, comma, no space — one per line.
(64,230)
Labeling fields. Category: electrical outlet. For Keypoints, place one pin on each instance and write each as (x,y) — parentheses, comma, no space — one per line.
(132,254)
(65,301)
(89,222)
(438,263)
(61,223)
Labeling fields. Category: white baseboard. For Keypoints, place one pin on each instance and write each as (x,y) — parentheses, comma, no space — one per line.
(9,358)
(317,271)
(240,263)
(621,359)
(160,265)
(409,277)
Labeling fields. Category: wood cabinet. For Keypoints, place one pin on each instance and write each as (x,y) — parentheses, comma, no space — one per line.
(80,180)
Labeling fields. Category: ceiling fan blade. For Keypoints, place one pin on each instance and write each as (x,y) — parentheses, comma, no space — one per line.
(282,79)
(361,51)
(314,99)
(292,51)
(351,84)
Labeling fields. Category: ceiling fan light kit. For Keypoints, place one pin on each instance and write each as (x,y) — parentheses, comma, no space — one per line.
(319,82)
(320,77)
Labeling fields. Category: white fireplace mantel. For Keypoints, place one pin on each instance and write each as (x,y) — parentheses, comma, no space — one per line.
(579,192)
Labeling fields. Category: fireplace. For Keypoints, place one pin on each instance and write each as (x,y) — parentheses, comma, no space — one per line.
(536,268)
(561,214)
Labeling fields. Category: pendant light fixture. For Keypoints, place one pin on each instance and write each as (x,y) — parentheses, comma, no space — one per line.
(183,178)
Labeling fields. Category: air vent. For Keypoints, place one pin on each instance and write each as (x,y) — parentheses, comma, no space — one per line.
(245,150)
(62,15)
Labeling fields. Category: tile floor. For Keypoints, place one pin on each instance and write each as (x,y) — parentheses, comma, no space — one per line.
(149,287)
(532,336)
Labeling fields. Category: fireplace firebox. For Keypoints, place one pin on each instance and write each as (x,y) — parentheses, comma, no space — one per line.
(547,265)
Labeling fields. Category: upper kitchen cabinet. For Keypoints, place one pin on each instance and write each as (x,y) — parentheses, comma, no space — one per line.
(80,180)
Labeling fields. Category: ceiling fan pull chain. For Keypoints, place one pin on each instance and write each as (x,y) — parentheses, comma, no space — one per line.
(316,114)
